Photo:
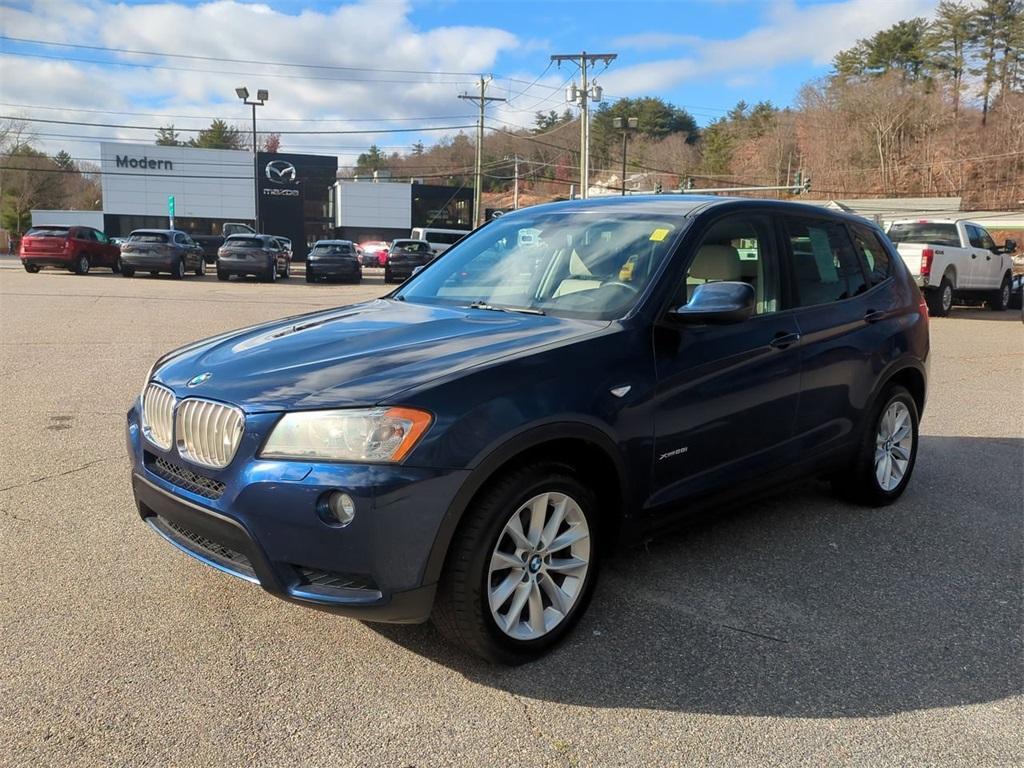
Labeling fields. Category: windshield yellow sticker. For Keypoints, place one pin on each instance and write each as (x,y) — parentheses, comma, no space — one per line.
(659,234)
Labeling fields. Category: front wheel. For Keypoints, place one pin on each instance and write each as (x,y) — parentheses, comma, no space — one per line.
(522,565)
(309,275)
(1000,300)
(887,452)
(127,271)
(222,275)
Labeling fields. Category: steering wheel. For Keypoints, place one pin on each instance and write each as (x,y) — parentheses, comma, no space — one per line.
(619,284)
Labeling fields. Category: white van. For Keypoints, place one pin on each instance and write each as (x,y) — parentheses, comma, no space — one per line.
(440,239)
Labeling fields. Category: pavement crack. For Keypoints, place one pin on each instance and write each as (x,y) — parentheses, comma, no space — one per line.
(563,748)
(756,634)
(87,464)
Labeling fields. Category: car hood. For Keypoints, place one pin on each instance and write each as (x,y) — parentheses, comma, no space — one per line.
(358,355)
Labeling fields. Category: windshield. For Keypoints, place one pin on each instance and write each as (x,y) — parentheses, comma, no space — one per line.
(243,242)
(576,263)
(47,232)
(332,249)
(148,237)
(931,234)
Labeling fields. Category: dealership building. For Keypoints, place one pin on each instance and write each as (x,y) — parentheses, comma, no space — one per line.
(299,195)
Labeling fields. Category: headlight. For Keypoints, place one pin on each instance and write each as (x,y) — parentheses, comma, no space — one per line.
(358,434)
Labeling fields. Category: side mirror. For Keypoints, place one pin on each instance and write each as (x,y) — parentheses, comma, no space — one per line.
(716,304)
(1009,246)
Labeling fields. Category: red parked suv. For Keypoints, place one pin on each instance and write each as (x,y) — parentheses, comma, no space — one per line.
(78,249)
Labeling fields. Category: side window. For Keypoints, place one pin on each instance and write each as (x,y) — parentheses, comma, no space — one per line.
(875,256)
(824,266)
(100,236)
(985,239)
(180,239)
(82,234)
(973,236)
(739,249)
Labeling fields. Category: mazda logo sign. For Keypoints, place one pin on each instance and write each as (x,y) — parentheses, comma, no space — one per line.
(281,172)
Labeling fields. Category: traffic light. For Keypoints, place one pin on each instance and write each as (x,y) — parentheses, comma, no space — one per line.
(657,188)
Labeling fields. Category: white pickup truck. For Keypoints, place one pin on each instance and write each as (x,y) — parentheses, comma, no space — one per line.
(954,260)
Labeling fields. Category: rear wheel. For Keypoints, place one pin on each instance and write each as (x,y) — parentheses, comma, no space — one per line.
(887,452)
(127,271)
(522,565)
(309,274)
(178,270)
(271,274)
(940,300)
(81,265)
(387,276)
(222,275)
(116,268)
(31,268)
(201,268)
(1000,300)
(287,271)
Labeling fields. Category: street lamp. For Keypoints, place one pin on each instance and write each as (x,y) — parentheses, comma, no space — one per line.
(627,125)
(262,96)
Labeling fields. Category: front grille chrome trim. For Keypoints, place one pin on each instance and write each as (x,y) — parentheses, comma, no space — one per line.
(158,415)
(208,432)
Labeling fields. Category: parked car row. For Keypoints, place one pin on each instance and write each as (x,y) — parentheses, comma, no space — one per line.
(77,249)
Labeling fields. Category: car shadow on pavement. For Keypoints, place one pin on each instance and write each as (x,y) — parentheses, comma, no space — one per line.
(799,605)
(980,313)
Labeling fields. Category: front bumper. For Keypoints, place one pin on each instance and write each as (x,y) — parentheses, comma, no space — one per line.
(259,523)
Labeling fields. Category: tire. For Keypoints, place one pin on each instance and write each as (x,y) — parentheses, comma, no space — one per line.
(178,270)
(287,271)
(310,278)
(484,562)
(270,275)
(940,300)
(201,269)
(387,275)
(30,268)
(999,300)
(81,265)
(859,482)
(127,271)
(116,269)
(222,275)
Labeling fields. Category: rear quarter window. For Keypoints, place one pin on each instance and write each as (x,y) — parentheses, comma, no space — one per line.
(872,250)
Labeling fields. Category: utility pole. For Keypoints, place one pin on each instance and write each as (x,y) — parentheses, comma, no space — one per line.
(583,95)
(515,194)
(481,100)
(627,125)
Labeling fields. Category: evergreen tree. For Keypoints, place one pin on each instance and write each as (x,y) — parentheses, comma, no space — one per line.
(168,137)
(949,41)
(219,135)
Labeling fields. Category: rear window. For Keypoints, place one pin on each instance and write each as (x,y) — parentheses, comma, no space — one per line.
(932,234)
(147,237)
(236,241)
(411,247)
(48,232)
(445,238)
(332,249)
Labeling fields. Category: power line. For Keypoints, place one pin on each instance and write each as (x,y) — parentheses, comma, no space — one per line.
(201,130)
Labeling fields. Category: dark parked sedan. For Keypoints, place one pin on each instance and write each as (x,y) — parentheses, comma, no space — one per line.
(264,256)
(161,250)
(568,377)
(333,260)
(403,258)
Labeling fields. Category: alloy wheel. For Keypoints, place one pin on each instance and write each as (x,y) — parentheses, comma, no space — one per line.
(894,444)
(539,566)
(947,298)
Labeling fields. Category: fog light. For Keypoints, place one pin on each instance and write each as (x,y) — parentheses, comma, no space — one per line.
(339,509)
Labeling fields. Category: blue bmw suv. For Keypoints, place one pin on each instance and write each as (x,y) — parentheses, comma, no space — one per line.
(569,376)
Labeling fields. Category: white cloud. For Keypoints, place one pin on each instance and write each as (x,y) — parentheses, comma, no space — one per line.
(790,34)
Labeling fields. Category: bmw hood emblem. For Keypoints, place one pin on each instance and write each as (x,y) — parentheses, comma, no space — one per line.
(195,381)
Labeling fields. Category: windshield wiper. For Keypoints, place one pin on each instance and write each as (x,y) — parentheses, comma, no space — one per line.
(521,310)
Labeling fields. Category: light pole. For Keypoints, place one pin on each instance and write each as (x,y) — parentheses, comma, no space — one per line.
(515,193)
(627,125)
(262,96)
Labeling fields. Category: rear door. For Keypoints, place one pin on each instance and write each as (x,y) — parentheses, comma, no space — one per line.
(726,394)
(836,313)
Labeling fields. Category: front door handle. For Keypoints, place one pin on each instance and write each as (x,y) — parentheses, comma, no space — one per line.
(874,315)
(988,258)
(781,340)
(974,255)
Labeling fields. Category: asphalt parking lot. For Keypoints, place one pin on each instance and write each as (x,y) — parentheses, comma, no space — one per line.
(795,631)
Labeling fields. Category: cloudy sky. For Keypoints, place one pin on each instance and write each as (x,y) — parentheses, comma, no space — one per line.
(394,64)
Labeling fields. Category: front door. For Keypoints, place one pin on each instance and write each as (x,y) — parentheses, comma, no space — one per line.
(727,395)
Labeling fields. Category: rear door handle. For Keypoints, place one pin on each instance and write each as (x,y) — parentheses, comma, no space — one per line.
(874,315)
(782,340)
